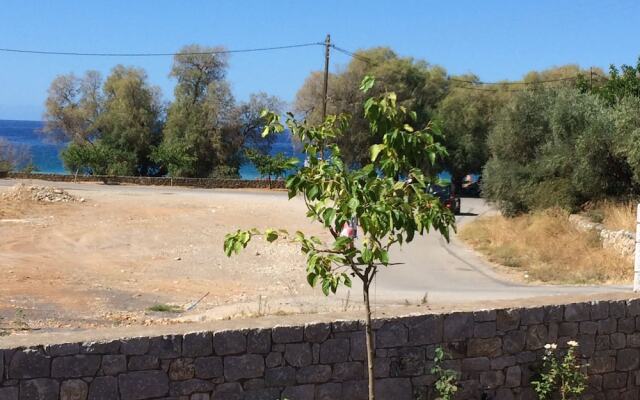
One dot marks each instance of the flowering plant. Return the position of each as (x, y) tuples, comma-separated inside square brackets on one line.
[(564, 374)]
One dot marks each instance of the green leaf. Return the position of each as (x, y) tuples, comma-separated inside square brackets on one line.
[(367, 255), (384, 257), (367, 83), (271, 235), (328, 215), (265, 132), (375, 150)]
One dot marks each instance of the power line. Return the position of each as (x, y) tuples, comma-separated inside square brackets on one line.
[(70, 53)]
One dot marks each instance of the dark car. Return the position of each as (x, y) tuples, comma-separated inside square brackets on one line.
[(447, 197)]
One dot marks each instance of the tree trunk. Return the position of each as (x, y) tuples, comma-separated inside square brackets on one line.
[(369, 337), (269, 178)]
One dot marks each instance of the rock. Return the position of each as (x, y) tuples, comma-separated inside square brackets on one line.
[(39, 389), (458, 326), (114, 364), (287, 334), (491, 347), (29, 363), (208, 367), (197, 344), (67, 349), (600, 365), (476, 364), (103, 388), (576, 312), (77, 366), (513, 377), (181, 369), (273, 360), (143, 385), (314, 374), (135, 346), (243, 367), (229, 342), (484, 330), (9, 393), (298, 354), (628, 359), (137, 363), (536, 337), (393, 389), (348, 371), (259, 341), (185, 388), (329, 391), (491, 379), (304, 392), (334, 350), (513, 342), (283, 376), (165, 346), (75, 389), (507, 320), (425, 329), (228, 391), (317, 333)]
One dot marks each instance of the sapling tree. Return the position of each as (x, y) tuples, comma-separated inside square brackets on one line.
[(387, 197), (271, 166)]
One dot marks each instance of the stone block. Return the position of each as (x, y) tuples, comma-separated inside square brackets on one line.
[(287, 334), (513, 342), (569, 329), (577, 312), (633, 340), (252, 384), (166, 346), (114, 364), (182, 369), (66, 349), (208, 367), (490, 347), (603, 342), (391, 334), (484, 329), (507, 320), (39, 389), (334, 350), (329, 391), (9, 393), (101, 347), (200, 396), (627, 325), (382, 367), (228, 391), (317, 333), (138, 363), (135, 346), (410, 362), (197, 344), (29, 363), (484, 316), (346, 326), (476, 364), (355, 390), (513, 377), (259, 341), (628, 359), (532, 316), (281, 376), (614, 380), (393, 389), (426, 329), (74, 389), (185, 388), (348, 371), (358, 346), (262, 394), (618, 309), (503, 362), (273, 360), (491, 379), (314, 374), (103, 388), (243, 367), (504, 394), (607, 326), (298, 354), (633, 307), (143, 384), (553, 313), (77, 366), (458, 326), (536, 337), (601, 365), (599, 310), (588, 327), (302, 392), (618, 341), (229, 342)]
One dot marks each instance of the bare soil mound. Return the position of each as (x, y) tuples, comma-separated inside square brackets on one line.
[(46, 194)]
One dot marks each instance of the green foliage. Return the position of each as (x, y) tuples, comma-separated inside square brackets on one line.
[(165, 308), (11, 156), (271, 166), (562, 375), (98, 159), (446, 380)]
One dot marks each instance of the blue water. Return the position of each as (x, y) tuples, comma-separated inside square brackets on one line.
[(45, 154)]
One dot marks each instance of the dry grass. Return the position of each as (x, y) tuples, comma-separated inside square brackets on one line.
[(614, 215), (548, 248)]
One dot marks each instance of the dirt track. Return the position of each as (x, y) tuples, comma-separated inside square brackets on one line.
[(106, 260)]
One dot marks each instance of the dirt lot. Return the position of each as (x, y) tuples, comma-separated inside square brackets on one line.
[(107, 259)]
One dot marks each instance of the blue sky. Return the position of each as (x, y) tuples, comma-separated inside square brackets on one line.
[(494, 39)]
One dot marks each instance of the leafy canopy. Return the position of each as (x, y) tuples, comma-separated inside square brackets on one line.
[(387, 196)]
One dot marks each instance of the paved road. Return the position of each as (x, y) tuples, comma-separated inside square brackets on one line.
[(447, 273)]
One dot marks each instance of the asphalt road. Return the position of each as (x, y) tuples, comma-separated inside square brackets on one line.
[(434, 270)]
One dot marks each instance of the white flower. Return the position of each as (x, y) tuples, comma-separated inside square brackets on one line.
[(550, 346), (572, 343)]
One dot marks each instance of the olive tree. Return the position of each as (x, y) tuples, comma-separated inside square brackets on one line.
[(388, 197)]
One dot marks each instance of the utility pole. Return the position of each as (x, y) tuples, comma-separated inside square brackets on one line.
[(325, 86)]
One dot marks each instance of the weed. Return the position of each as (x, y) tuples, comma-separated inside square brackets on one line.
[(166, 308)]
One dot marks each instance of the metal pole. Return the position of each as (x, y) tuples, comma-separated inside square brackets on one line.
[(636, 264)]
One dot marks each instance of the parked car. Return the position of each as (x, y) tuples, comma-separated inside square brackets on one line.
[(447, 197)]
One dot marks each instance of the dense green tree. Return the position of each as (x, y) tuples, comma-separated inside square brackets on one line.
[(418, 85), (112, 126), (202, 129), (466, 117), (271, 166)]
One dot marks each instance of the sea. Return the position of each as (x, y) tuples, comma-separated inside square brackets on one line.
[(44, 153)]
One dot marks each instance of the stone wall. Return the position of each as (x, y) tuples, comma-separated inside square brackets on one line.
[(495, 351), (624, 242), (209, 183)]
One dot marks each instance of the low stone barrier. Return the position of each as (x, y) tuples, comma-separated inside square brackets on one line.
[(622, 241), (496, 352), (209, 183)]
